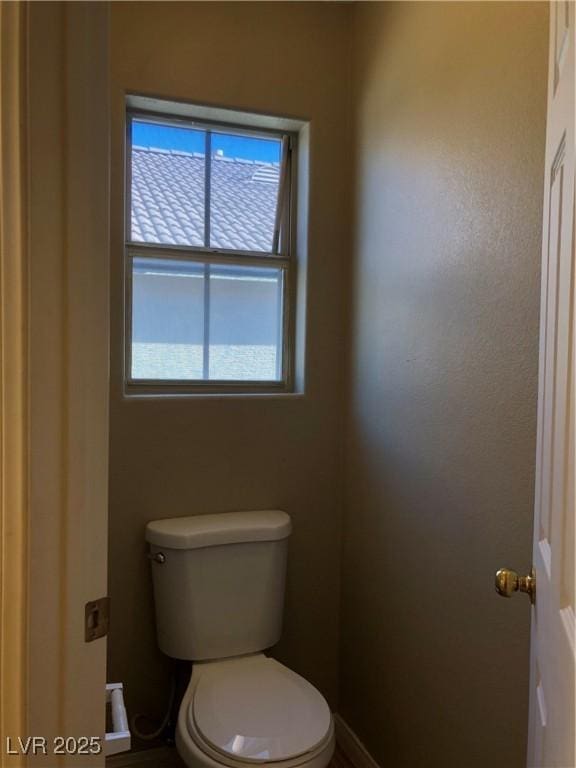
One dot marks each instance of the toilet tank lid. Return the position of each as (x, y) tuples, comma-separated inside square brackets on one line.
[(224, 528)]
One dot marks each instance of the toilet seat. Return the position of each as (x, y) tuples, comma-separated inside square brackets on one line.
[(257, 710), (253, 710)]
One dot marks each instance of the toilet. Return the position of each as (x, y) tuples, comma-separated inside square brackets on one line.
[(219, 593)]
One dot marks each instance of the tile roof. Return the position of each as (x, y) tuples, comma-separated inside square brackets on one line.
[(168, 200)]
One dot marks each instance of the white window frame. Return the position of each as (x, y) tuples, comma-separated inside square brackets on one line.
[(284, 258)]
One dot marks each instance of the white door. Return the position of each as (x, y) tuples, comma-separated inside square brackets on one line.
[(552, 712)]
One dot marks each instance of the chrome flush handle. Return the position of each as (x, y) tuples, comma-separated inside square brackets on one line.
[(157, 557)]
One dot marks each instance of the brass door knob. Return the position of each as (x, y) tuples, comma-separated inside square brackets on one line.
[(508, 582)]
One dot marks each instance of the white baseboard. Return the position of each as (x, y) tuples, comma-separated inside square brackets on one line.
[(151, 756), (351, 745)]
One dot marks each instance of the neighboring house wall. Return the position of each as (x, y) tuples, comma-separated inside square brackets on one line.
[(450, 104), (168, 327), (173, 457)]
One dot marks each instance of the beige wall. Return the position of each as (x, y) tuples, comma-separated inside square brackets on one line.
[(193, 456), (450, 108)]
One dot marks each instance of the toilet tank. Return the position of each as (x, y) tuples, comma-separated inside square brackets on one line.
[(219, 582)]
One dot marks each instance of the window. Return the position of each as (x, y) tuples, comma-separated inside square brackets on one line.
[(209, 255)]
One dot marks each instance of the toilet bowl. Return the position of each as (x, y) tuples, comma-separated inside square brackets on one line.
[(219, 592), (253, 710)]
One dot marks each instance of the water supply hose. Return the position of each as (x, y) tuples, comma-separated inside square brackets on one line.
[(158, 732)]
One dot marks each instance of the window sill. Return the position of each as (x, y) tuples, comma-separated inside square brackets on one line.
[(178, 396)]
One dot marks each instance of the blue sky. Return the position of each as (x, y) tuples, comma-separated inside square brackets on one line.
[(188, 140)]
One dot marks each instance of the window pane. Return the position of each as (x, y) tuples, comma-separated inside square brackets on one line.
[(245, 175), (168, 182), (245, 323), (243, 338), (167, 319)]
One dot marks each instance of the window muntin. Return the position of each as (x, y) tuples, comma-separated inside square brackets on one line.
[(208, 256)]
